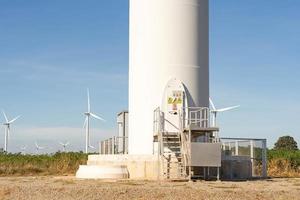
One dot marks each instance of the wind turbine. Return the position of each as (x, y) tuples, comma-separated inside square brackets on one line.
[(64, 145), (37, 147), (215, 111), (7, 125), (23, 149), (86, 125)]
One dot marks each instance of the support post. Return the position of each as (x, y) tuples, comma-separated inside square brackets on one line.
[(158, 156), (236, 147), (189, 155), (264, 159), (6, 140), (208, 174), (252, 157), (113, 142)]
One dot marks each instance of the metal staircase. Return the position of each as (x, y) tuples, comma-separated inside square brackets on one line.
[(171, 156), (174, 148)]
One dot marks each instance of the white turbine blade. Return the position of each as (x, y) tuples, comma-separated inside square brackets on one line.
[(5, 116), (228, 108), (61, 143), (91, 147), (37, 146), (97, 117), (212, 104), (85, 122), (13, 120), (67, 143), (89, 103)]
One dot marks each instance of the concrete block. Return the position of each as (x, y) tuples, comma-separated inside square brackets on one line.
[(102, 172), (144, 167)]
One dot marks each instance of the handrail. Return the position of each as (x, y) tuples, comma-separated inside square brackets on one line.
[(186, 156), (199, 116), (112, 145)]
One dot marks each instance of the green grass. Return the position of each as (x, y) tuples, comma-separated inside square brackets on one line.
[(56, 164), (280, 164)]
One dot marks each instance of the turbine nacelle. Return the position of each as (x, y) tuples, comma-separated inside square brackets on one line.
[(64, 145), (37, 147), (87, 113), (23, 147)]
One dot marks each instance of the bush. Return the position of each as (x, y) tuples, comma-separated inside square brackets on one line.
[(286, 143), (56, 164), (283, 163)]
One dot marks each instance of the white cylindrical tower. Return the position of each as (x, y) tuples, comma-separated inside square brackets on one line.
[(168, 39)]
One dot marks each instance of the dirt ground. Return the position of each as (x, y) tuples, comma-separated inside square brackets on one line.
[(69, 188)]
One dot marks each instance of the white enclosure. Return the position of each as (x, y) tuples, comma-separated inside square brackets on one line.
[(168, 39)]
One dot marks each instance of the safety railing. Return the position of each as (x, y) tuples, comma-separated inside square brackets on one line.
[(245, 150), (197, 116), (114, 145), (158, 121)]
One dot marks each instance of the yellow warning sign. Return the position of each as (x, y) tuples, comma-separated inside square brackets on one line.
[(176, 100)]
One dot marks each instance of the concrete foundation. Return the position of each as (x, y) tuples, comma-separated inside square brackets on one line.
[(102, 172), (143, 167)]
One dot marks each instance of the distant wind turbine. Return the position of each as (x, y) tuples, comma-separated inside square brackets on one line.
[(86, 125), (64, 145), (215, 111), (23, 149), (7, 125), (38, 148)]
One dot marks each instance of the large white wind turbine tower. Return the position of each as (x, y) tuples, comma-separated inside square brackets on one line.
[(215, 111), (38, 148), (64, 145), (86, 125), (7, 125)]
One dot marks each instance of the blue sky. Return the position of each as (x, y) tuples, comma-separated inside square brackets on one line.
[(51, 51)]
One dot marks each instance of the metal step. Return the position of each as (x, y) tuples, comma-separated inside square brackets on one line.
[(174, 143), (170, 136), (172, 162)]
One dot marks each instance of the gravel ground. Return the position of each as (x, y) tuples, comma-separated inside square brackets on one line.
[(69, 188)]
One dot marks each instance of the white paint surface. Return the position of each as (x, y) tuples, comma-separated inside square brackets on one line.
[(168, 39)]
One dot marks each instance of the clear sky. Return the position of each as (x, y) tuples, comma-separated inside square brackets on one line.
[(51, 51)]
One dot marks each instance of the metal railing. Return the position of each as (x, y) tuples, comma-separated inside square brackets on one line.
[(247, 149), (114, 145), (158, 121), (198, 116)]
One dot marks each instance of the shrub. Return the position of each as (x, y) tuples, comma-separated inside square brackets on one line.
[(286, 143), (283, 163), (56, 164)]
